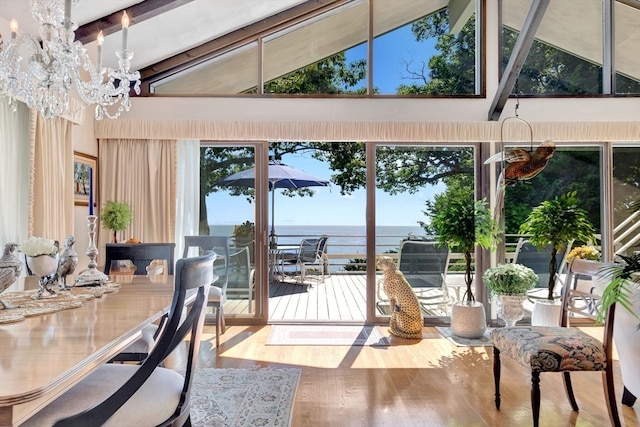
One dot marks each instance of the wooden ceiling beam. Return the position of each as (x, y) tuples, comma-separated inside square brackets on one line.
[(137, 13), (518, 56)]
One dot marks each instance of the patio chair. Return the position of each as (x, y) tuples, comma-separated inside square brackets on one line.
[(424, 265), (538, 260), (312, 252)]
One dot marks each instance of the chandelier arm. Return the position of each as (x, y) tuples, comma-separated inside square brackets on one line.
[(43, 73)]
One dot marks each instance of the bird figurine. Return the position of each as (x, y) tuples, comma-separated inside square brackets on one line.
[(67, 262), (522, 166), (10, 269)]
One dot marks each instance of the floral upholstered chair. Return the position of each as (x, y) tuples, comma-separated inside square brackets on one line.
[(561, 348)]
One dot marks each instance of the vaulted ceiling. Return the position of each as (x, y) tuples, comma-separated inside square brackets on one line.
[(170, 35)]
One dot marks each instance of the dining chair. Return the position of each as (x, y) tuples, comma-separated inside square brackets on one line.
[(562, 348), (146, 394), (217, 294), (311, 252)]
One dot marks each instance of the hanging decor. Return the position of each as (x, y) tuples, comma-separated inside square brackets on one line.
[(41, 71), (521, 164)]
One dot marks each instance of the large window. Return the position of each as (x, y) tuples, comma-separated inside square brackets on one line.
[(570, 54)]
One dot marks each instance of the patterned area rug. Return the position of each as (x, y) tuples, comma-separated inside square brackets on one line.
[(465, 342), (25, 306), (243, 397), (326, 335)]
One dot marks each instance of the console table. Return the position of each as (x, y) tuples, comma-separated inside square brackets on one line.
[(141, 254)]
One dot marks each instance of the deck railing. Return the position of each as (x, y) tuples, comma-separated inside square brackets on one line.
[(346, 253)]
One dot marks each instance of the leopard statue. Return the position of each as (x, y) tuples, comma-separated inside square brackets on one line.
[(406, 316)]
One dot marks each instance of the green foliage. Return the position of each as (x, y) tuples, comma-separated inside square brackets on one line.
[(246, 229), (575, 170), (510, 279), (462, 224), (116, 216), (357, 264), (557, 222), (620, 290)]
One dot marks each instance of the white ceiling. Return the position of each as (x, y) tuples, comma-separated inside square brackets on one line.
[(200, 21), (165, 35)]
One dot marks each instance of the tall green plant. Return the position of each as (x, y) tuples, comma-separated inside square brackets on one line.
[(462, 224), (116, 216), (557, 222)]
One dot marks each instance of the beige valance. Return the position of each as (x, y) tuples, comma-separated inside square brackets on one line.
[(512, 130)]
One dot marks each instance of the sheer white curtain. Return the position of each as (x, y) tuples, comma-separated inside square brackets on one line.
[(187, 191), (15, 167)]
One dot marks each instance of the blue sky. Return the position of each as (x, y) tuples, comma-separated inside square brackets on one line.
[(328, 206)]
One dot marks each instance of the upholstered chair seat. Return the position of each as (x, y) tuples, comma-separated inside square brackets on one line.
[(551, 349), (151, 405)]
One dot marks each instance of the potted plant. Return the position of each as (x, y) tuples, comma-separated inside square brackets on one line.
[(508, 284), (624, 290), (557, 222), (116, 216), (462, 224), (244, 235)]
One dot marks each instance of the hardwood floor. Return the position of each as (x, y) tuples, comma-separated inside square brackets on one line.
[(427, 383)]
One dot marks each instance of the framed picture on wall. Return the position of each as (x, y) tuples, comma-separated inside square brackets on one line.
[(85, 179)]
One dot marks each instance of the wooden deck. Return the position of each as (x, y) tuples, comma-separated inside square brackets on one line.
[(341, 298)]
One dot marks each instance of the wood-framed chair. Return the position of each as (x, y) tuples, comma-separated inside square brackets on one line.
[(561, 348), (145, 394)]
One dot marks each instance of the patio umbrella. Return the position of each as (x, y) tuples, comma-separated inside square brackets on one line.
[(280, 176)]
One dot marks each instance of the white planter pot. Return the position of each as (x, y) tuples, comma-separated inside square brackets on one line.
[(546, 313), (468, 320), (626, 337)]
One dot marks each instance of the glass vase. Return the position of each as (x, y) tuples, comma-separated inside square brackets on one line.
[(510, 308)]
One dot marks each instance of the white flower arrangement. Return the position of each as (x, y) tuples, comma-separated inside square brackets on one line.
[(510, 279), (36, 246)]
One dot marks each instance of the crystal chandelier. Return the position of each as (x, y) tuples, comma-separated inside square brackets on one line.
[(42, 71)]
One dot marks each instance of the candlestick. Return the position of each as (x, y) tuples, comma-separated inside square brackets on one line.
[(91, 276), (14, 29), (90, 191), (100, 41), (125, 29), (67, 14)]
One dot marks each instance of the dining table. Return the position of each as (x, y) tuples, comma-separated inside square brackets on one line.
[(42, 356)]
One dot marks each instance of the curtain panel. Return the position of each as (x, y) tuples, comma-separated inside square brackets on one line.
[(144, 176), (188, 192), (14, 164), (51, 166)]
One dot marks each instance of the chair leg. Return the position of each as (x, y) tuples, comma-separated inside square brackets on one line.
[(221, 326), (223, 323), (535, 397), (628, 398), (496, 375), (569, 389), (610, 396)]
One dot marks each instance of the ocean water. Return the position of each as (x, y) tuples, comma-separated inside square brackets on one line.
[(343, 239)]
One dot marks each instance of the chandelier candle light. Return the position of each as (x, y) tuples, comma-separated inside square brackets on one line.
[(56, 61)]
